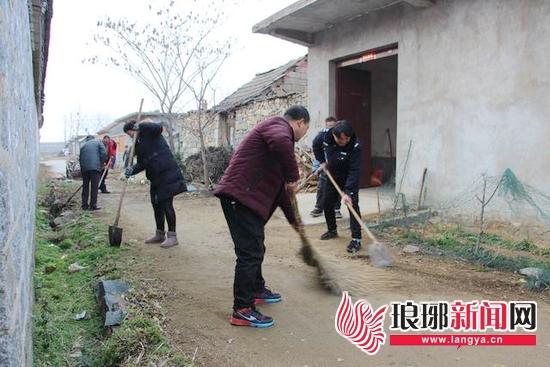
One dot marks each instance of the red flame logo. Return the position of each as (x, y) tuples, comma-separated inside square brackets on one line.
[(360, 325)]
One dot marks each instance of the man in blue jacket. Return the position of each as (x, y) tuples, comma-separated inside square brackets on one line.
[(92, 157), (339, 152)]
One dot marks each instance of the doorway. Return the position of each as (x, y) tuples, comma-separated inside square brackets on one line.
[(366, 95)]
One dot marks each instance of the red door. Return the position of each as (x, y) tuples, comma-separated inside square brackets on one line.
[(353, 104)]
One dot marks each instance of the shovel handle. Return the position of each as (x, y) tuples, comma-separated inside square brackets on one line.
[(72, 196), (352, 211), (131, 161)]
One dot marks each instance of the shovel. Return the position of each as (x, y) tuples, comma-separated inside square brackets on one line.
[(378, 252), (115, 233)]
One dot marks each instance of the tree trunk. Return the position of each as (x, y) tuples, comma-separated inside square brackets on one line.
[(171, 135), (478, 242), (204, 161)]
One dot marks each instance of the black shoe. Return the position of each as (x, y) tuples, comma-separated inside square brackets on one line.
[(266, 296), (85, 207), (250, 317), (328, 235), (95, 208), (105, 192), (317, 212), (354, 246)]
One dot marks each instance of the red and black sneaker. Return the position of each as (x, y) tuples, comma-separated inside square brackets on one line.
[(250, 317), (266, 296)]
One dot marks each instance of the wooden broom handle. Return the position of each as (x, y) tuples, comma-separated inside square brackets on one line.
[(131, 161), (350, 207)]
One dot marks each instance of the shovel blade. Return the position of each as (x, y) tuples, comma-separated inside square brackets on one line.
[(115, 236), (379, 255)]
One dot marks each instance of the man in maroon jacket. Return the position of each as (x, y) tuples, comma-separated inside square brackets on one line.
[(259, 177)]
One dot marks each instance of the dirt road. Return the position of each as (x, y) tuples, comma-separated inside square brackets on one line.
[(200, 274)]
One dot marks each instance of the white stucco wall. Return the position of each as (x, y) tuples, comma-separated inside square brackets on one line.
[(473, 88)]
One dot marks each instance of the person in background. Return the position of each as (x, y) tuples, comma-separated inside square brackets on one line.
[(155, 157), (92, 156), (261, 176), (321, 184), (339, 152), (110, 147)]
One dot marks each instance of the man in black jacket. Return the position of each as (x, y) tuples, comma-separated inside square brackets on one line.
[(154, 156), (339, 152), (322, 183)]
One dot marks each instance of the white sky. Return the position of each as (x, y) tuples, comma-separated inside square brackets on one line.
[(95, 90)]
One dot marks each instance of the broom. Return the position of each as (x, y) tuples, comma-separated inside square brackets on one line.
[(378, 252), (311, 257)]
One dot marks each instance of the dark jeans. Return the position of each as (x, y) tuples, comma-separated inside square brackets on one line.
[(321, 187), (102, 185), (164, 211), (331, 198), (247, 232), (90, 182)]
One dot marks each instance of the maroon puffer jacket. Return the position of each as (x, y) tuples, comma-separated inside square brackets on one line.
[(260, 167)]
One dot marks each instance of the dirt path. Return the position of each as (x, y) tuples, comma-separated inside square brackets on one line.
[(200, 274)]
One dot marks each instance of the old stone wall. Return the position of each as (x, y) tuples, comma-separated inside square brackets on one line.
[(246, 117), (18, 173), (188, 142)]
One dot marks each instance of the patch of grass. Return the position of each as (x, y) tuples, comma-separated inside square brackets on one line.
[(457, 243), (60, 295), (138, 342), (59, 339), (412, 237)]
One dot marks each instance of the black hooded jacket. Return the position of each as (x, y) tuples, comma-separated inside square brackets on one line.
[(154, 156), (344, 163)]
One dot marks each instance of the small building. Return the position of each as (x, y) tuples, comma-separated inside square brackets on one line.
[(457, 87), (269, 93)]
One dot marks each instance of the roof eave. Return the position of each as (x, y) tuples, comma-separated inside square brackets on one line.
[(291, 35), (277, 25)]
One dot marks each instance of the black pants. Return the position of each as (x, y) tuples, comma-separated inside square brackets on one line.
[(102, 185), (331, 198), (90, 182), (247, 232), (164, 211), (321, 187)]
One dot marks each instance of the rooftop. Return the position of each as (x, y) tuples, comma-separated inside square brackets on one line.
[(257, 86)]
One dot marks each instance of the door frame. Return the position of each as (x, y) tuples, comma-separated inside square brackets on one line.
[(359, 58)]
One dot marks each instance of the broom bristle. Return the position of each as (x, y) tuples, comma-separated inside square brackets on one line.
[(311, 258), (333, 276)]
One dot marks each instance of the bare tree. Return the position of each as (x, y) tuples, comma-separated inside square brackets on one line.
[(484, 201), (158, 54), (207, 63), (78, 123)]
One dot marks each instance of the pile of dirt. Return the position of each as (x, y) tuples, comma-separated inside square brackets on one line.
[(217, 159)]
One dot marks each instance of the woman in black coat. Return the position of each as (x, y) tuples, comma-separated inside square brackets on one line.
[(154, 156)]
